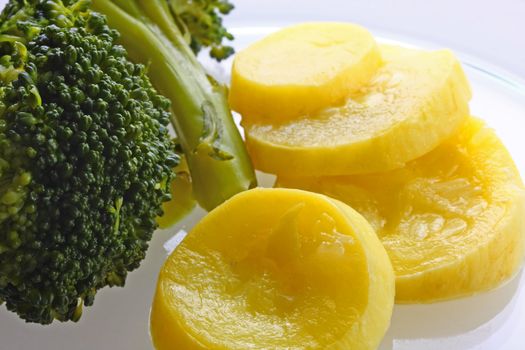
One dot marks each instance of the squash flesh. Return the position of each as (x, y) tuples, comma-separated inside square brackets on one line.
[(414, 101), (301, 69), (451, 221), (294, 270)]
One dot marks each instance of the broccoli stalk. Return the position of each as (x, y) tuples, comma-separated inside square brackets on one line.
[(151, 33)]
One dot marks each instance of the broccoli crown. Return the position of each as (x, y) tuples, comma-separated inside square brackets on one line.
[(203, 22), (85, 159)]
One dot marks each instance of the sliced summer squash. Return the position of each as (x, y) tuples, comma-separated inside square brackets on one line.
[(275, 269), (451, 221), (182, 200), (301, 69), (415, 100)]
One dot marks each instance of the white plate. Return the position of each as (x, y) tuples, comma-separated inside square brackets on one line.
[(494, 320)]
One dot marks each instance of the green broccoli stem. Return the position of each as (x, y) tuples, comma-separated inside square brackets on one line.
[(217, 158)]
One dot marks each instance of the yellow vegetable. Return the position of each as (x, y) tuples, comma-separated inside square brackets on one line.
[(275, 269), (302, 69), (415, 101), (182, 200), (451, 221)]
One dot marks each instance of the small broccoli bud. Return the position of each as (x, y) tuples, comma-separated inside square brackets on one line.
[(202, 20)]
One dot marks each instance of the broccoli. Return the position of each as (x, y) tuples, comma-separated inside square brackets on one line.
[(202, 23), (157, 33), (85, 158)]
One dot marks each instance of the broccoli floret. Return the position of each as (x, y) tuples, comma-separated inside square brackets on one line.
[(151, 32), (203, 22), (85, 159)]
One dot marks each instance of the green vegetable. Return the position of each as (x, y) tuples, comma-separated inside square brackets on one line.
[(156, 33), (85, 159), (203, 24)]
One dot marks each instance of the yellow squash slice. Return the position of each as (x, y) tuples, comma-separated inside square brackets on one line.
[(451, 221), (182, 200), (415, 101), (275, 269), (302, 69)]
